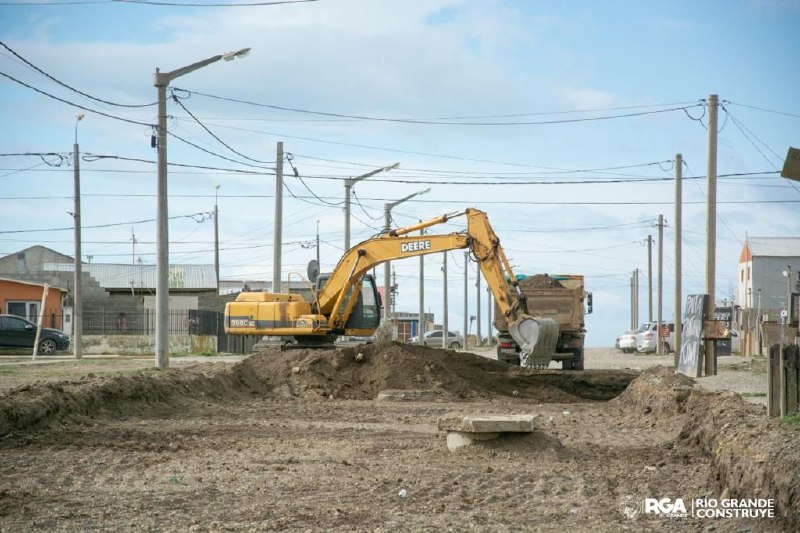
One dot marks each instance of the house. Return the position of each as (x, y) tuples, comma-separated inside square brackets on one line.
[(768, 268), (24, 298)]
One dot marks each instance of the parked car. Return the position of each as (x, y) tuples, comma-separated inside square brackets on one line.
[(626, 342), (647, 337), (434, 339), (17, 332)]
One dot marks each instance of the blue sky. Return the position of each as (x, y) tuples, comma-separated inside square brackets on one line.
[(526, 61)]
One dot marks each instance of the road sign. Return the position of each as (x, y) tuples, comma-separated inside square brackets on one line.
[(791, 166)]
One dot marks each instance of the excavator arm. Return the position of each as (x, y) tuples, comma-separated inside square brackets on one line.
[(536, 337)]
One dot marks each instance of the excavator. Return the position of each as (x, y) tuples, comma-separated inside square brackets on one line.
[(347, 302)]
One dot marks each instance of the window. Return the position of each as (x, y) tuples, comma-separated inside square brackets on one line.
[(435, 335), (14, 324), (29, 310)]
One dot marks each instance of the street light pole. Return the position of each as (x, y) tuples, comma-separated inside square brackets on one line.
[(77, 300), (387, 211), (348, 186), (161, 81)]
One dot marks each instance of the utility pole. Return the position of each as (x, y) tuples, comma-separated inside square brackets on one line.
[(632, 301), (711, 225), (445, 325), (478, 337), (278, 235), (133, 247), (77, 303), (466, 297), (216, 235), (678, 248), (422, 325), (489, 316), (758, 324), (659, 347), (649, 278), (636, 285), (348, 190), (317, 243), (394, 296)]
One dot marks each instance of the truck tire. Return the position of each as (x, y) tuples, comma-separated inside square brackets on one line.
[(576, 363)]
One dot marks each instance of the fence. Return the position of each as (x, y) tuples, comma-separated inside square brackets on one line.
[(179, 322)]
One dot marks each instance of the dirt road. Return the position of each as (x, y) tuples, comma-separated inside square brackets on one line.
[(297, 440)]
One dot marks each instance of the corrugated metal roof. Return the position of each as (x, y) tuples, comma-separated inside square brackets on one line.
[(774, 246), (110, 276)]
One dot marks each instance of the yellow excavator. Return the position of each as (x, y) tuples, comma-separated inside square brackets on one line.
[(346, 301)]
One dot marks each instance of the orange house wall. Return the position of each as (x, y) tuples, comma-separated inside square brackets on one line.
[(12, 291)]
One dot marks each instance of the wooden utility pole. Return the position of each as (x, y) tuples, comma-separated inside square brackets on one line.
[(678, 259), (39, 321), (711, 226)]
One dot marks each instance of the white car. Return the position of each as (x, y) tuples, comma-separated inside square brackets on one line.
[(626, 342), (646, 338), (434, 340)]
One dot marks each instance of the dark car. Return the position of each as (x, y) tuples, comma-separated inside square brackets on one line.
[(16, 332)]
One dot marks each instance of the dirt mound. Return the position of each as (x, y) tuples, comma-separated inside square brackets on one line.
[(39, 404), (659, 390), (540, 281), (360, 373), (753, 456)]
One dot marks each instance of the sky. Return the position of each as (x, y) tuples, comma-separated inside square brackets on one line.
[(560, 119)]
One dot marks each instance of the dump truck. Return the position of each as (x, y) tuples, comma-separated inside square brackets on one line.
[(560, 298)]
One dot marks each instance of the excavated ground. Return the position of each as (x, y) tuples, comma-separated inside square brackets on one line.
[(297, 440)]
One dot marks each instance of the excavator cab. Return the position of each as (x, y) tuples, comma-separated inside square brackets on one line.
[(366, 313)]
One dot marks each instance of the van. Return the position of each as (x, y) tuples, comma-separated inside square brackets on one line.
[(646, 338)]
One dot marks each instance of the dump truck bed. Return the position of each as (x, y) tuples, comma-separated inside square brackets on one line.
[(559, 297)]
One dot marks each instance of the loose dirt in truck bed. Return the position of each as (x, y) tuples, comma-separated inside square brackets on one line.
[(297, 440)]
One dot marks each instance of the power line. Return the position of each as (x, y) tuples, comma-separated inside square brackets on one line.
[(438, 122), (223, 143), (70, 228), (245, 4), (766, 110), (71, 88), (73, 104)]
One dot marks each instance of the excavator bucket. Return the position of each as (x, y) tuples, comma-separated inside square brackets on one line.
[(537, 338)]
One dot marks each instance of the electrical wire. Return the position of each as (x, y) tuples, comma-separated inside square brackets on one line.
[(71, 88), (177, 100), (70, 228), (438, 122), (243, 4), (73, 104)]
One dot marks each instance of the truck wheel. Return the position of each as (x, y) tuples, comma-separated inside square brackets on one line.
[(576, 363)]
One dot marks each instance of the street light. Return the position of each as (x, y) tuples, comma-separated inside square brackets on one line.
[(161, 81), (387, 209), (348, 185)]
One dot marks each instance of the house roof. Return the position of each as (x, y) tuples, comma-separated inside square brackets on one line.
[(773, 246), (111, 276), (35, 284)]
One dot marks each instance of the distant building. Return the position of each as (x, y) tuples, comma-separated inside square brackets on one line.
[(762, 265)]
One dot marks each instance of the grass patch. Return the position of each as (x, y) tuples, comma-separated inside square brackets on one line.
[(792, 420), (8, 370), (753, 394)]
